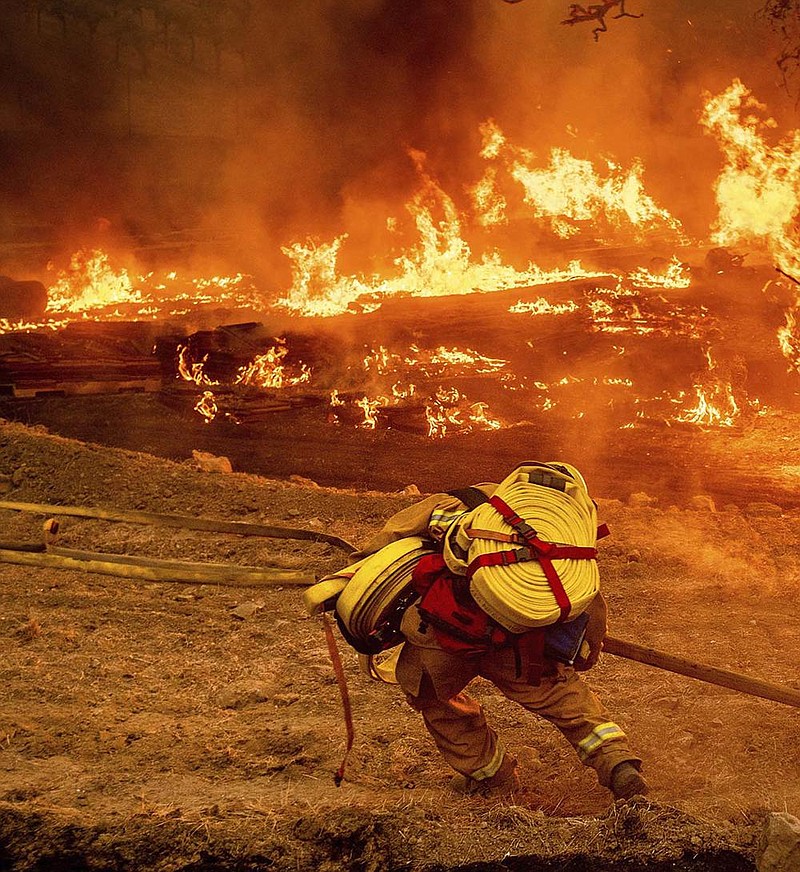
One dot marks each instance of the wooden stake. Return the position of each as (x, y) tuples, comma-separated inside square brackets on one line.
[(702, 672)]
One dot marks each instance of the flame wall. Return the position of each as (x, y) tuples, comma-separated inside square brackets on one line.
[(306, 130)]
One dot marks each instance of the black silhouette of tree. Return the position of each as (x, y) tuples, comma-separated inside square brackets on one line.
[(177, 26), (784, 16)]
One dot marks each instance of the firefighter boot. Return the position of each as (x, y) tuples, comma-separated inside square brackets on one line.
[(627, 782), (504, 782)]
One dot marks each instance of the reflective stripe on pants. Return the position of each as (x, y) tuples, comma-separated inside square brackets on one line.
[(434, 681)]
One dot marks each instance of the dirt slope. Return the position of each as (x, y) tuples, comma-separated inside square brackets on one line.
[(145, 726)]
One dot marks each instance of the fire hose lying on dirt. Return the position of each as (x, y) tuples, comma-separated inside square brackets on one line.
[(48, 554), (395, 592)]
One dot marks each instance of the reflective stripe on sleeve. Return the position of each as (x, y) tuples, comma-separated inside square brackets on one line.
[(441, 520)]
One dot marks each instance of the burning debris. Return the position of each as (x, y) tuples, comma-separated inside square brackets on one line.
[(758, 190), (574, 352)]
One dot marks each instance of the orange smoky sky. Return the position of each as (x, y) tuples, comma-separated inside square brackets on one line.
[(349, 88), (299, 119)]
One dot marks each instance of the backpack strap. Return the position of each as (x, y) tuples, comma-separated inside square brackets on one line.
[(536, 549), (472, 497)]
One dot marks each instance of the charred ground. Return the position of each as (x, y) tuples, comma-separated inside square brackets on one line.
[(144, 726)]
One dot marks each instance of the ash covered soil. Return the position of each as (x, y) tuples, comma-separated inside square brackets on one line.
[(146, 726)]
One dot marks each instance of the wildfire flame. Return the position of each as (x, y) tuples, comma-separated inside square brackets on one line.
[(193, 371), (449, 411), (716, 404), (91, 283), (207, 406), (92, 288), (267, 370), (789, 341), (570, 193), (674, 277), (370, 409), (758, 190), (758, 195), (718, 407), (441, 264)]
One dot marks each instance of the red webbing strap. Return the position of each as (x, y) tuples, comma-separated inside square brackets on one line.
[(544, 552), (530, 648), (338, 669), (553, 579)]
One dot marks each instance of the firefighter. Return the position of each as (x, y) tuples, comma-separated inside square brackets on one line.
[(434, 670)]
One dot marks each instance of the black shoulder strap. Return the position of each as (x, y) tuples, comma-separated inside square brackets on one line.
[(472, 497)]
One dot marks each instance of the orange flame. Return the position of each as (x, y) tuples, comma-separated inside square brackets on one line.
[(207, 406), (91, 283), (569, 192), (450, 411), (717, 407), (758, 190), (674, 277), (541, 306), (370, 409), (193, 372), (268, 371), (789, 340), (317, 288), (441, 264), (488, 202), (716, 404)]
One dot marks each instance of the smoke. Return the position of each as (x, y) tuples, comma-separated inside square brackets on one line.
[(340, 97), (377, 78), (635, 92), (301, 123)]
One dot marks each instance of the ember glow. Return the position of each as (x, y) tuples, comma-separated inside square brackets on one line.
[(717, 407), (193, 371), (566, 351), (448, 412), (267, 370), (206, 406)]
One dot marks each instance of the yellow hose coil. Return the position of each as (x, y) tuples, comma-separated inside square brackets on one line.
[(322, 596), (379, 581), (518, 596)]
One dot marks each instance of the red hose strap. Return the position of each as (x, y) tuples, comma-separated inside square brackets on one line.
[(562, 600), (513, 519), (544, 552), (338, 669)]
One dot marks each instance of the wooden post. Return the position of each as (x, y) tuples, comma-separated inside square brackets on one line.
[(702, 672)]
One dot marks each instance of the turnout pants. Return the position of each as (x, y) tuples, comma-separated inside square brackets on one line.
[(434, 682)]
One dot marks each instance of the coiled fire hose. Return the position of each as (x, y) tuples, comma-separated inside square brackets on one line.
[(518, 593), (379, 582)]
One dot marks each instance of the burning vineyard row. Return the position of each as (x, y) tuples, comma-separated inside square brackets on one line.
[(455, 342)]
